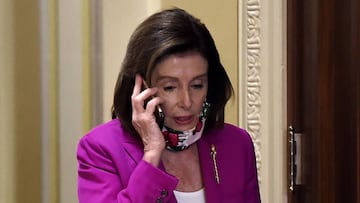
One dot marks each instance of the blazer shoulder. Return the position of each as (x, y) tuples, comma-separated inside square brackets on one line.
[(234, 129), (230, 135), (108, 131), (108, 136), (232, 132)]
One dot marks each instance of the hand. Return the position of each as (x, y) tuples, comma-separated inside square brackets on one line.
[(144, 121)]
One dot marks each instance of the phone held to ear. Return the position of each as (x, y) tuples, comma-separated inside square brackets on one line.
[(159, 114)]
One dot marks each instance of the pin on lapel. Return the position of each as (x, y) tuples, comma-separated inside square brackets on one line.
[(213, 157)]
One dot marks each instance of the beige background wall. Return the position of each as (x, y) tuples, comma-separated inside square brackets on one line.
[(6, 104), (119, 19), (20, 102)]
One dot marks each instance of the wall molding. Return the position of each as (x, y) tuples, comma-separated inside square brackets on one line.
[(262, 90), (253, 82)]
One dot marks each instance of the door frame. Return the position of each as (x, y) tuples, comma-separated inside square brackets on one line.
[(262, 90)]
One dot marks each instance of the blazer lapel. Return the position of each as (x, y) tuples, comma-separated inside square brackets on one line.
[(212, 187), (134, 150)]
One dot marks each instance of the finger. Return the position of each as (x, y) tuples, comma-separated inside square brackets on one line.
[(138, 101), (138, 98), (152, 104), (137, 85)]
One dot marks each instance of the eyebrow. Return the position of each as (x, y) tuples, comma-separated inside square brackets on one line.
[(175, 78)]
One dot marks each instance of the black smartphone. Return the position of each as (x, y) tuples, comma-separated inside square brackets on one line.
[(159, 114)]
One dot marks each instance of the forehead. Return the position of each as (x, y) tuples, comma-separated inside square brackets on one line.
[(189, 64)]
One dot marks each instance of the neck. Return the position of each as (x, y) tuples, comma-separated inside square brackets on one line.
[(185, 166), (180, 156)]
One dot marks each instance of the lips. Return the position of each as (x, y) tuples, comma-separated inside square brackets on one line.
[(183, 120)]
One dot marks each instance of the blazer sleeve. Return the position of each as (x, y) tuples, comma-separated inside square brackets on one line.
[(99, 181)]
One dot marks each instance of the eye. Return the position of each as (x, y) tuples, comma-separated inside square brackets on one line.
[(198, 86), (169, 88)]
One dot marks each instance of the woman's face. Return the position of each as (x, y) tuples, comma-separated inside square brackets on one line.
[(183, 84)]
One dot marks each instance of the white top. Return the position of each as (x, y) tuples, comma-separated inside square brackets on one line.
[(190, 197)]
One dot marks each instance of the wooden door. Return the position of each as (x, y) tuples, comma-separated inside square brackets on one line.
[(324, 99)]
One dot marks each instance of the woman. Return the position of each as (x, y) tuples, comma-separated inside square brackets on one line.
[(168, 141)]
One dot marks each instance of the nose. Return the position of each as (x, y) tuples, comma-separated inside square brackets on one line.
[(185, 99)]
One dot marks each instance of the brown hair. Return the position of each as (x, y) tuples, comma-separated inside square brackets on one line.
[(168, 32)]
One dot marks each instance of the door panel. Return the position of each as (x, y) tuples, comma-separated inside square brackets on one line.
[(323, 98)]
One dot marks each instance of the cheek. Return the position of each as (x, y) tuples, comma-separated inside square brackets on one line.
[(170, 103), (167, 104), (199, 104)]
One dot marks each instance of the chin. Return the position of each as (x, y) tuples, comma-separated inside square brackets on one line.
[(182, 127)]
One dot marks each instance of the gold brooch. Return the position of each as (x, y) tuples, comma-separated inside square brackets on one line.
[(213, 156)]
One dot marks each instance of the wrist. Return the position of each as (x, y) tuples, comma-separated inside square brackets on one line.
[(152, 156)]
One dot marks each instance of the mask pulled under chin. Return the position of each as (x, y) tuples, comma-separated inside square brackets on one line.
[(180, 140)]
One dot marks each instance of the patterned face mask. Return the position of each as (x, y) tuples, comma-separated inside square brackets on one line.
[(180, 140)]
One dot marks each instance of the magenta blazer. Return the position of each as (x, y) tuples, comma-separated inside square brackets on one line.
[(111, 168)]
